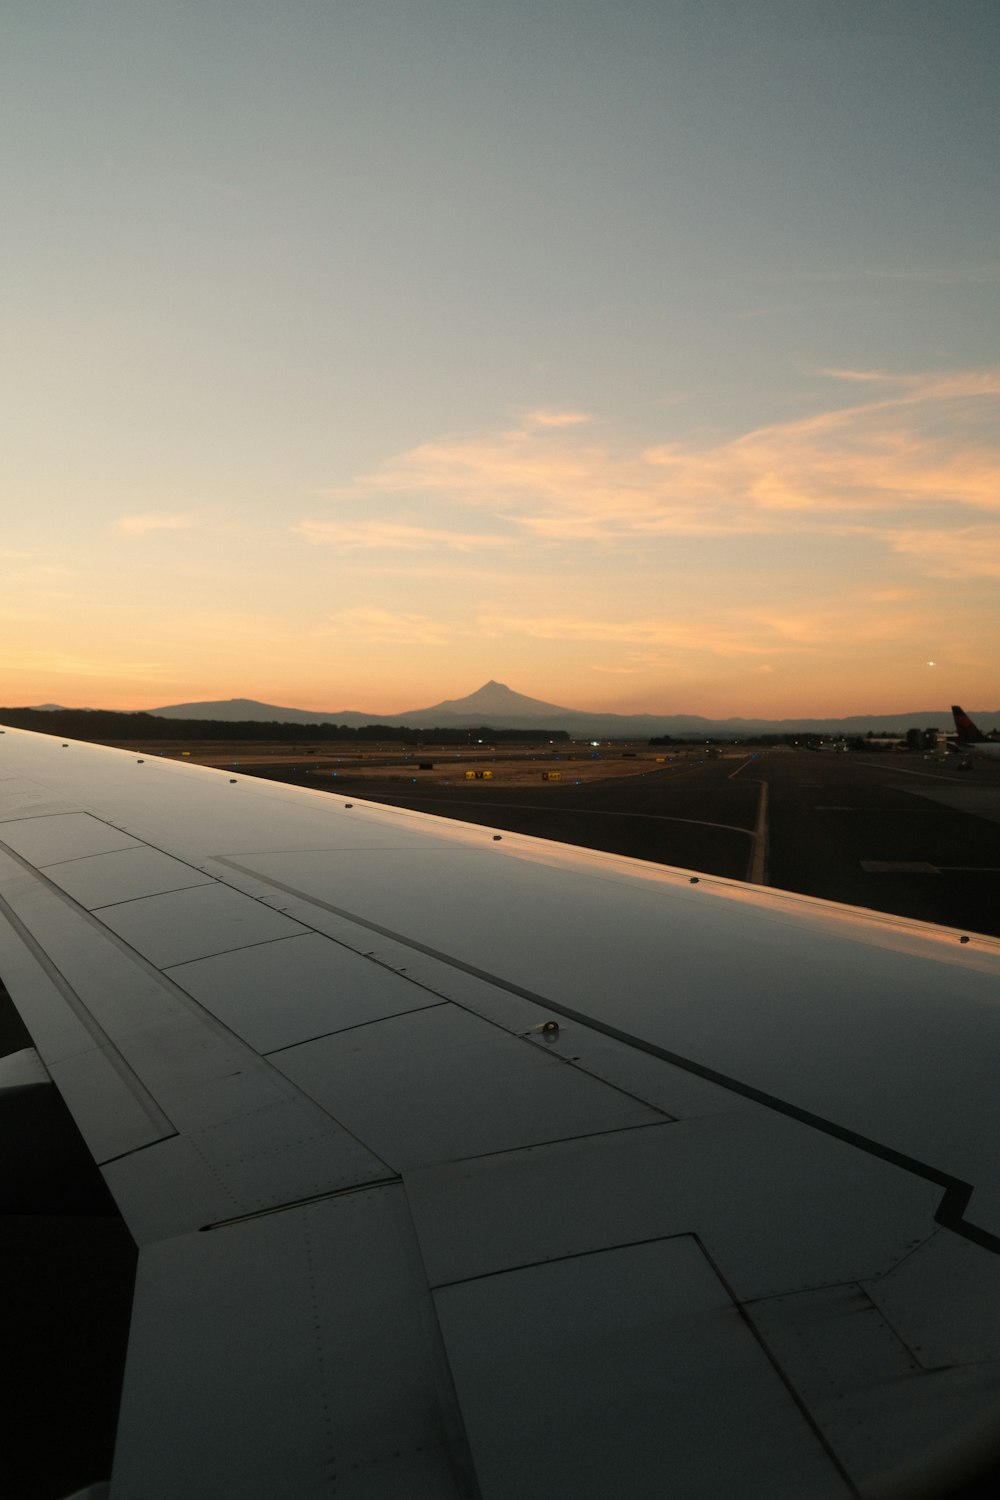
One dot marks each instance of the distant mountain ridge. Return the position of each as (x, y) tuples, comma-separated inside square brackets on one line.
[(491, 698), (497, 706)]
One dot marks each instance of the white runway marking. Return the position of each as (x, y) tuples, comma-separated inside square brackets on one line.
[(757, 874)]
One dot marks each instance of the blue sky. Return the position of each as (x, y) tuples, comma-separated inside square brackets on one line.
[(642, 356)]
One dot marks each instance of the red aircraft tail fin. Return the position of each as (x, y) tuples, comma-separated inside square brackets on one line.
[(968, 734)]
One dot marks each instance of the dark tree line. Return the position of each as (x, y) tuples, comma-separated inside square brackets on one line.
[(102, 725)]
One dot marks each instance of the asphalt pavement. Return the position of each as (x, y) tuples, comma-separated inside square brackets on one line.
[(897, 833)]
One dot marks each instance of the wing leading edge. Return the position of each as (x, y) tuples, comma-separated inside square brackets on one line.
[(479, 1167)]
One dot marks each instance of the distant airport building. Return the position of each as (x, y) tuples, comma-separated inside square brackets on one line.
[(925, 740)]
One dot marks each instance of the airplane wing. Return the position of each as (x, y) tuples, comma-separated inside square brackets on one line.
[(465, 1164)]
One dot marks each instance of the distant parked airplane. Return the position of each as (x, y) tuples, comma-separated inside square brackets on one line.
[(971, 738)]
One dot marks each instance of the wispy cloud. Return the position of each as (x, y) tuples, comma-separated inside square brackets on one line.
[(149, 521), (725, 639), (42, 573), (548, 418), (393, 535), (373, 625), (55, 662), (892, 595), (738, 633), (919, 442), (969, 552)]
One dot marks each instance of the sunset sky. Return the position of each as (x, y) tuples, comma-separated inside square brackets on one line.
[(641, 355)]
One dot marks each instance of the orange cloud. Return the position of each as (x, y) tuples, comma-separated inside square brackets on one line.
[(969, 552), (804, 630), (924, 441), (55, 662), (545, 418), (385, 627), (142, 525), (394, 535)]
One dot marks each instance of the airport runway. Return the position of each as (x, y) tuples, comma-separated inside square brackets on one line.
[(891, 832), (894, 833)]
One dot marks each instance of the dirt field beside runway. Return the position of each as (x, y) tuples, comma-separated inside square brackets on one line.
[(434, 765)]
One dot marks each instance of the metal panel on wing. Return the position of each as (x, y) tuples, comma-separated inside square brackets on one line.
[(123, 875), (779, 1206), (438, 1084), (249, 1166), (22, 1070), (944, 1300), (628, 1372), (21, 796), (182, 925), (862, 1384), (294, 1355), (113, 1111), (44, 840), (286, 991)]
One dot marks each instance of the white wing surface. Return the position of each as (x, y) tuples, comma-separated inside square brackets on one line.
[(470, 1165)]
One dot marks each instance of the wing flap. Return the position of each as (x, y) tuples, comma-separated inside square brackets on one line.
[(294, 1354)]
